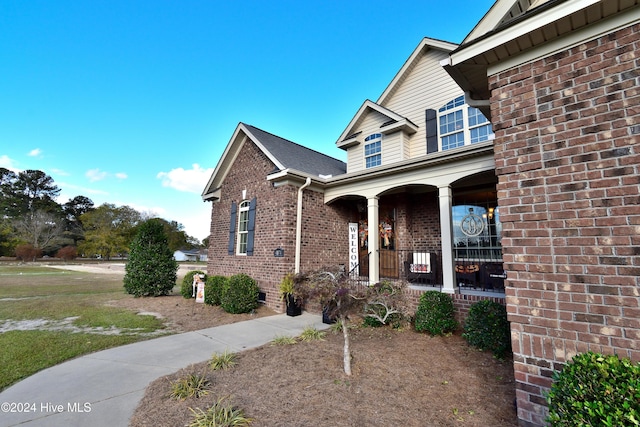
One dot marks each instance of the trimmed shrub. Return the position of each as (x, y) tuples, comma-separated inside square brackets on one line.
[(240, 294), (213, 289), (435, 314), (595, 390), (151, 269), (27, 252), (67, 253), (186, 288), (487, 328)]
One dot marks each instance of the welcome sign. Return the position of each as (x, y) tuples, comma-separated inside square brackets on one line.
[(353, 246)]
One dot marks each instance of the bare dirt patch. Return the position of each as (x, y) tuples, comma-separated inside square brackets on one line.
[(184, 315)]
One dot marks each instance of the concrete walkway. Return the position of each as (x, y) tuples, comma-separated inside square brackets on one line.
[(103, 389)]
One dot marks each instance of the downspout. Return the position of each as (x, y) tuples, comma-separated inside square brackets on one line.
[(299, 224)]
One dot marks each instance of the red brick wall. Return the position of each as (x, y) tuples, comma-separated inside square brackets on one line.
[(418, 221), (275, 224), (324, 234), (567, 154), (325, 228)]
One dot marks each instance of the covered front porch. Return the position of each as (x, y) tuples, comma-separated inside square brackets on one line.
[(440, 230)]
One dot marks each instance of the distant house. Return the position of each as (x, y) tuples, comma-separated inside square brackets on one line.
[(190, 255)]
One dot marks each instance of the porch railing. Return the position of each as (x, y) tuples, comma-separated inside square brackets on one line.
[(476, 268)]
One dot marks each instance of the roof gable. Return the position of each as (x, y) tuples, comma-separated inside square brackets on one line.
[(395, 122), (424, 45), (284, 154)]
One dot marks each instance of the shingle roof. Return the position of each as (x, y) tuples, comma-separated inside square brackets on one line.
[(298, 157)]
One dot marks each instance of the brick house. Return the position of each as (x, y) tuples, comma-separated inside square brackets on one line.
[(559, 81), (416, 199)]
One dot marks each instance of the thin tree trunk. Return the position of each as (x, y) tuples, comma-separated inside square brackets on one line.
[(347, 349)]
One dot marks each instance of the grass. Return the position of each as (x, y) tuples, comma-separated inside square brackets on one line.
[(283, 340), (220, 414), (24, 353), (193, 385), (224, 360), (312, 334), (33, 292)]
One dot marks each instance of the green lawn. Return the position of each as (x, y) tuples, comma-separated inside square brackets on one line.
[(74, 301)]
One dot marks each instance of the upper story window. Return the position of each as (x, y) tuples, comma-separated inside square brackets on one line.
[(373, 150), (460, 124), (243, 227)]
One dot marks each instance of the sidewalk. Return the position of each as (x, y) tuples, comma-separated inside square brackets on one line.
[(103, 389)]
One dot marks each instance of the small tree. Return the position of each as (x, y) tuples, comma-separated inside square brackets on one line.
[(338, 295), (151, 270), (386, 304)]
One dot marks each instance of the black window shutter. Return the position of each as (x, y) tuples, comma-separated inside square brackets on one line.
[(432, 131), (232, 228), (251, 226)]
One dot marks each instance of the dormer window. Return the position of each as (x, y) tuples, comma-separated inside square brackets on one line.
[(460, 124), (373, 150)]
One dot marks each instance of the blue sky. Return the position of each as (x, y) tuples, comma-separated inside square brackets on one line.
[(133, 102)]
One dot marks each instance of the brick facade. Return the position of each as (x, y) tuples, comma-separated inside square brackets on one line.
[(324, 231), (567, 156)]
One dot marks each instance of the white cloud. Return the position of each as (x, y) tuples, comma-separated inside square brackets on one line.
[(65, 186), (95, 175), (8, 163), (121, 175), (35, 152), (60, 172), (187, 180)]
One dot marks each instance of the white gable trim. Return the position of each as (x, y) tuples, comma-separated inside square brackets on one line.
[(409, 63), (238, 139), (575, 38), (402, 123), (263, 148), (519, 29), (490, 20)]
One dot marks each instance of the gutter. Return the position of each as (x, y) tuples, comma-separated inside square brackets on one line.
[(299, 225)]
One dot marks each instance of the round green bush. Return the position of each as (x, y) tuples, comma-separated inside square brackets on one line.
[(213, 289), (487, 328), (595, 390), (239, 294), (435, 314), (186, 288)]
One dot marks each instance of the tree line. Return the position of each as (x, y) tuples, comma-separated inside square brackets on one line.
[(34, 224)]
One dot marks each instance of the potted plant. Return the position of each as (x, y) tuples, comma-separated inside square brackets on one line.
[(286, 293)]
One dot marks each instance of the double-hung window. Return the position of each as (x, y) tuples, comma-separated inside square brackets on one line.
[(479, 126), (460, 124), (243, 227), (373, 150)]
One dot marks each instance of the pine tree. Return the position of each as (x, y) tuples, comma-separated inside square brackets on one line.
[(151, 269)]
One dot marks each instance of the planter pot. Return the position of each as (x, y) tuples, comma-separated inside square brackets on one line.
[(326, 318), (293, 309)]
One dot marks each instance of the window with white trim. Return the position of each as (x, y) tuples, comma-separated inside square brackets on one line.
[(459, 124), (373, 150), (243, 227)]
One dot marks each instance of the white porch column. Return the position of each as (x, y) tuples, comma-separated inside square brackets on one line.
[(373, 239), (449, 284)]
